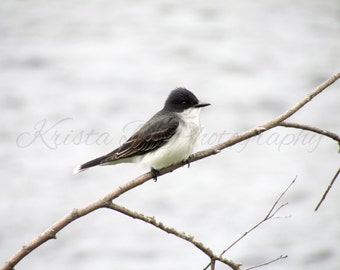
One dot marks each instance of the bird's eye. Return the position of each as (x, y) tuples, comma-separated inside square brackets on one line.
[(184, 102)]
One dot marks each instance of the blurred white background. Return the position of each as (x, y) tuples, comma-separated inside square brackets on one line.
[(77, 77)]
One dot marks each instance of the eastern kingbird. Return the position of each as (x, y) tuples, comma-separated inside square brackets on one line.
[(167, 138)]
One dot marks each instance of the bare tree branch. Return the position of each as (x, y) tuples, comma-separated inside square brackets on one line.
[(320, 131), (51, 232), (327, 190), (267, 263), (323, 132), (270, 215), (173, 231), (276, 121)]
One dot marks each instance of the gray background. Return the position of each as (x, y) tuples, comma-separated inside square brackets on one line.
[(69, 68)]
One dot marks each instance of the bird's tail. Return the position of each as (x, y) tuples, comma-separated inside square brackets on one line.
[(91, 163)]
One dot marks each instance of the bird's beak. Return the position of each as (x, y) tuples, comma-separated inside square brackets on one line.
[(202, 104)]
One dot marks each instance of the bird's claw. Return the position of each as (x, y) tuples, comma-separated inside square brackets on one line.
[(187, 161), (155, 173)]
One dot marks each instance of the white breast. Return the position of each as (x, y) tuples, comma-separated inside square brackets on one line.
[(180, 146)]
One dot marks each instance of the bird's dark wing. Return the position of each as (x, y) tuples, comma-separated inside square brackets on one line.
[(153, 134)]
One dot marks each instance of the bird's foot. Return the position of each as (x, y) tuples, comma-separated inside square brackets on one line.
[(155, 173), (187, 161)]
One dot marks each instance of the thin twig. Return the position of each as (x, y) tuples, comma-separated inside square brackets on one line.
[(327, 190), (51, 232), (271, 214), (269, 262), (317, 130)]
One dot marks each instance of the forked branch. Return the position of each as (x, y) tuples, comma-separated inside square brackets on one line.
[(173, 231), (270, 215), (51, 232)]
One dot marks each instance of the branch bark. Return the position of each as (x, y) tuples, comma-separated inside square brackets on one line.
[(51, 232), (328, 189), (151, 220), (317, 130)]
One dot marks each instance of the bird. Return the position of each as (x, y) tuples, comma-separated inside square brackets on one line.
[(168, 138)]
